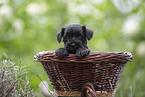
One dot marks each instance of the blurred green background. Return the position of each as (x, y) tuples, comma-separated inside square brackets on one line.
[(30, 26)]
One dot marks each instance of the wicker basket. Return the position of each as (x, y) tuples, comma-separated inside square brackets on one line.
[(69, 74)]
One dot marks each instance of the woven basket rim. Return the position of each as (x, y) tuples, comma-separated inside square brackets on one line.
[(94, 56)]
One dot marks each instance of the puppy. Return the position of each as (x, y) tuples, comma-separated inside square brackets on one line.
[(75, 38)]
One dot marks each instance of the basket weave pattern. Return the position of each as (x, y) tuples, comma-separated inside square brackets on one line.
[(70, 73)]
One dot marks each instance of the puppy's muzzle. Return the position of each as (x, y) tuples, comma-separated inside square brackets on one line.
[(72, 47)]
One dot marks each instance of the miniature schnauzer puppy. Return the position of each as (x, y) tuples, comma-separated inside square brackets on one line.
[(75, 38)]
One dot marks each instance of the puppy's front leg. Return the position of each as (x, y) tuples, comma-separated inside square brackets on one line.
[(61, 52), (82, 52)]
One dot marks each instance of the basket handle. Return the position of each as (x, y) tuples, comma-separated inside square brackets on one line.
[(88, 90)]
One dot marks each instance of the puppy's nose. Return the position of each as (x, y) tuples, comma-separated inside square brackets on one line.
[(73, 44)]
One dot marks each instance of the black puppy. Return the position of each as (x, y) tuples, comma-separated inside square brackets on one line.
[(75, 38)]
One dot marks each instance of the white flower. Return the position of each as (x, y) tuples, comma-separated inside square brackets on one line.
[(72, 7), (81, 9), (6, 11), (16, 67), (131, 25), (141, 49), (126, 6), (36, 8), (85, 9), (5, 61)]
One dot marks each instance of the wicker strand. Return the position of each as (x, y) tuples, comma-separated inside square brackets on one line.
[(88, 90)]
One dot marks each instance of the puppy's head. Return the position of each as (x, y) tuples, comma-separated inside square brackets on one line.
[(74, 36)]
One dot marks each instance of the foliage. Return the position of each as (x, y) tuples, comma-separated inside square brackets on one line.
[(12, 80), (30, 26)]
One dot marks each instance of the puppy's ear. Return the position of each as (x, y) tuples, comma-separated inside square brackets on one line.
[(88, 32), (60, 35)]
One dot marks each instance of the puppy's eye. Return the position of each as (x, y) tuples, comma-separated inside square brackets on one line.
[(65, 39)]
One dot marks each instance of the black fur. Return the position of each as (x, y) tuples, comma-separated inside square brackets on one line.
[(75, 38)]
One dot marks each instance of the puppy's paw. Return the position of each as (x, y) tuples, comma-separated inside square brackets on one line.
[(61, 52), (82, 52)]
